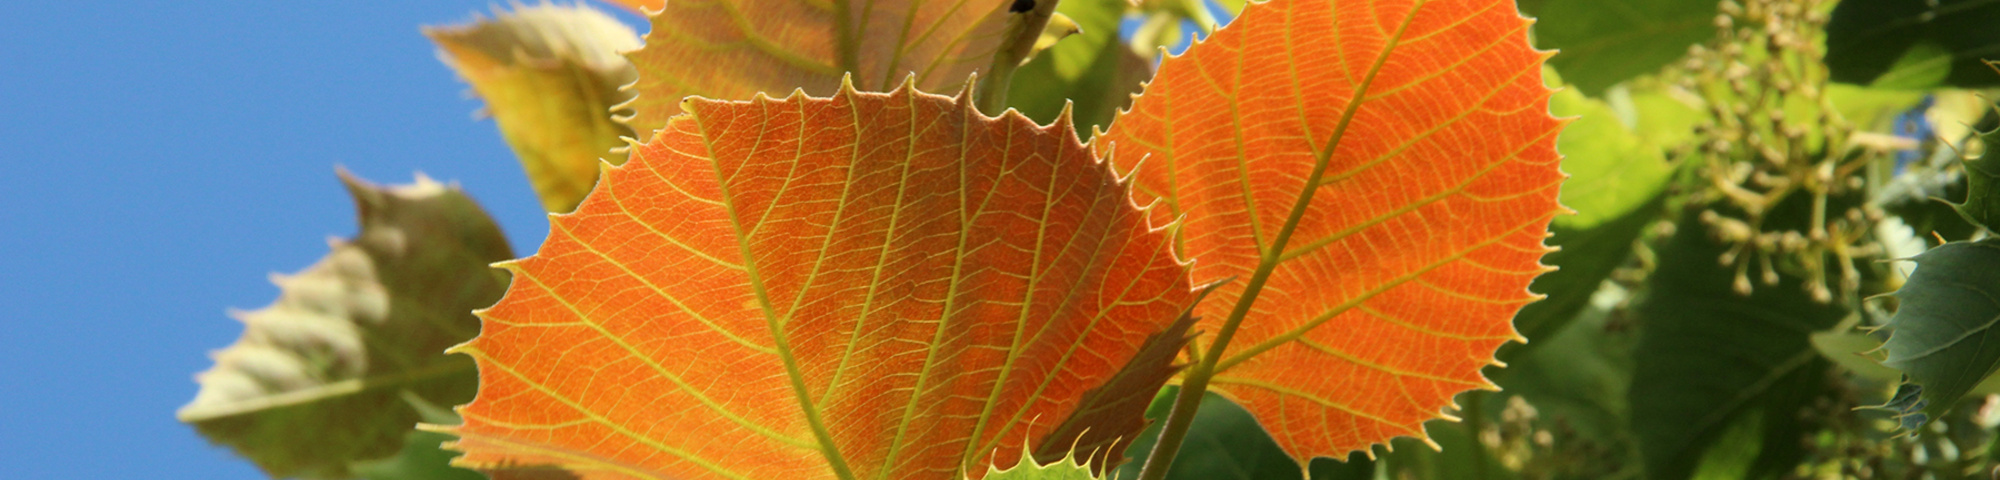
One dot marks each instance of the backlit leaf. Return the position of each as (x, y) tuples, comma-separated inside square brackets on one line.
[(1427, 126), (550, 75), (733, 49), (350, 335), (863, 286), (1066, 468)]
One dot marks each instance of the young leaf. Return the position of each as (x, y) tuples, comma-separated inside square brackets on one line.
[(1065, 468), (350, 334), (732, 49), (550, 75), (1421, 130), (1943, 324), (865, 286)]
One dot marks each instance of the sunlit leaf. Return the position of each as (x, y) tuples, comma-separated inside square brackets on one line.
[(350, 334), (863, 286), (733, 49), (1066, 468), (550, 75), (1427, 127)]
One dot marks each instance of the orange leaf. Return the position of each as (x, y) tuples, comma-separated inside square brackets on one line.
[(732, 49), (1426, 125), (640, 6), (864, 286)]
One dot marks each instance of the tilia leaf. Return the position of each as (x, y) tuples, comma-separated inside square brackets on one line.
[(733, 49), (1426, 126), (1943, 325), (864, 286), (550, 75), (352, 335)]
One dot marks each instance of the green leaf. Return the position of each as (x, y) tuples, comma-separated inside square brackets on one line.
[(1709, 356), (1579, 376), (550, 75), (1943, 326), (316, 381), (1861, 354), (1457, 455), (1617, 182), (1091, 68), (1913, 44), (1982, 205), (1576, 382), (1602, 43), (1068, 468), (423, 457), (1224, 443)]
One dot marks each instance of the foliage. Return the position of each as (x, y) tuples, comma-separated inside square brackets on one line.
[(1913, 45), (353, 336), (549, 74), (1427, 189), (1601, 43), (776, 252)]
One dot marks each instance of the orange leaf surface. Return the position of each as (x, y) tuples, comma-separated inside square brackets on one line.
[(732, 49), (864, 286), (641, 6), (1425, 125)]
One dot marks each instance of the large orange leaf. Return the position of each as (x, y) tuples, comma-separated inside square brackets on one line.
[(864, 286), (732, 49), (1422, 128)]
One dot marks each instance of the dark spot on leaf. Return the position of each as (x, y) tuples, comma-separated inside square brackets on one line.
[(1021, 6)]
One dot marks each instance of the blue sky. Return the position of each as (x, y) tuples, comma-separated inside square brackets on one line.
[(163, 157)]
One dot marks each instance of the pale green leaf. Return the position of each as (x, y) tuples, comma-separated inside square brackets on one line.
[(550, 76), (316, 381)]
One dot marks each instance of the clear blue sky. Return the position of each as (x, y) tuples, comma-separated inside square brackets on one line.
[(162, 157)]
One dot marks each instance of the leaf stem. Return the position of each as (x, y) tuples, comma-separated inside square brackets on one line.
[(1023, 29), (1195, 384)]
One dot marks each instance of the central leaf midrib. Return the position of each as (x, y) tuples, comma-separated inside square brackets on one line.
[(827, 447)]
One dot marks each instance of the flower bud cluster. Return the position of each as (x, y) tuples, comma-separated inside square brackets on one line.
[(1771, 133)]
